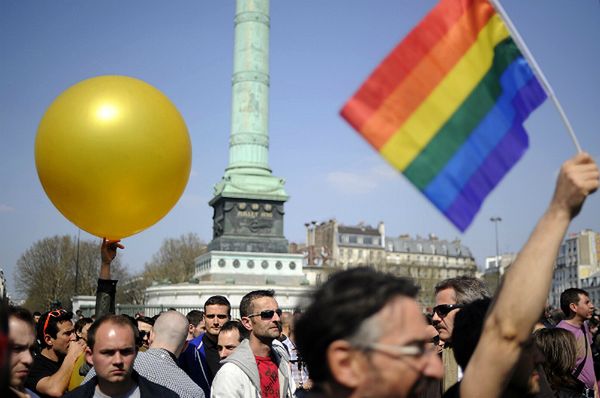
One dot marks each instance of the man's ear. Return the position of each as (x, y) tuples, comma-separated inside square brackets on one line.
[(88, 356), (573, 307), (247, 323), (345, 364), (48, 340)]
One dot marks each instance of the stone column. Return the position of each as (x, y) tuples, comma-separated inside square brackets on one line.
[(248, 201)]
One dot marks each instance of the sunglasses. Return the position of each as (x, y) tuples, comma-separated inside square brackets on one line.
[(266, 314), (52, 314), (443, 310)]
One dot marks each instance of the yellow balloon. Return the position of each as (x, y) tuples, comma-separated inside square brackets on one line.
[(113, 155)]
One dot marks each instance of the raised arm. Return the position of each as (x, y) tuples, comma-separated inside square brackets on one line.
[(107, 288), (523, 294)]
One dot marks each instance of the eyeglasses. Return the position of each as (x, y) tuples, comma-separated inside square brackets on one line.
[(266, 314), (443, 310), (220, 316), (52, 314)]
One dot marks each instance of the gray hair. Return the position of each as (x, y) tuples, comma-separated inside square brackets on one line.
[(369, 331), (466, 288)]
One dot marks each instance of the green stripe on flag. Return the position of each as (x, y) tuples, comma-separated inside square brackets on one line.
[(457, 129)]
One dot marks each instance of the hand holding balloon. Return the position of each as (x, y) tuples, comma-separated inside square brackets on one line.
[(113, 126)]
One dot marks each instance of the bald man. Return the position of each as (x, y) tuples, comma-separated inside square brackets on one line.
[(159, 363)]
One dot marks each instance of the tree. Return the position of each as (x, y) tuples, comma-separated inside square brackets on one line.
[(174, 261), (46, 272)]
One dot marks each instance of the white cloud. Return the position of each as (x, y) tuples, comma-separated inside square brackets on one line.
[(361, 182), (6, 208)]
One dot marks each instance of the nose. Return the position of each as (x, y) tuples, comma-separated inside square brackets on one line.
[(117, 359), (435, 318), (27, 358), (224, 353)]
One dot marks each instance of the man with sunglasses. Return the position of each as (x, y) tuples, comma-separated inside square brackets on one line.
[(257, 367), (51, 370), (201, 360), (450, 296)]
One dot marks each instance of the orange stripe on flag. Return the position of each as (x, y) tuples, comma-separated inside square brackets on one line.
[(397, 65), (411, 93)]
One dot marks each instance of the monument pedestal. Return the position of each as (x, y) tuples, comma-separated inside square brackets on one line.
[(248, 225)]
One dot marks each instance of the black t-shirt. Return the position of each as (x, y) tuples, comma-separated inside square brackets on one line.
[(41, 367), (212, 355)]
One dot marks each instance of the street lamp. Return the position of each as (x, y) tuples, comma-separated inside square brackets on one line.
[(496, 220)]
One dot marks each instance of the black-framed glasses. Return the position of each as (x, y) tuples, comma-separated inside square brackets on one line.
[(266, 314), (443, 310)]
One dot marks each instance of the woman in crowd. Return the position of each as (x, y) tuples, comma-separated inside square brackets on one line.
[(559, 348)]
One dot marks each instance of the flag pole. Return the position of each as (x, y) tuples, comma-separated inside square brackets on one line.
[(536, 69)]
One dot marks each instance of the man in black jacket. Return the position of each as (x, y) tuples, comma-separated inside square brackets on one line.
[(112, 351)]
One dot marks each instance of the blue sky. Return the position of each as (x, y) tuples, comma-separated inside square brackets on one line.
[(321, 51)]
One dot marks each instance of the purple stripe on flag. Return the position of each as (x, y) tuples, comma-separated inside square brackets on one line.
[(494, 168)]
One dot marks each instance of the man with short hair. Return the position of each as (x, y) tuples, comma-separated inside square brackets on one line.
[(577, 307), (200, 360), (450, 295), (257, 367), (112, 351), (231, 335), (364, 335), (159, 363), (196, 324), (21, 341), (51, 370)]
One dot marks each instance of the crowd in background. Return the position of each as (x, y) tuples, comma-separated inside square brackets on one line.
[(362, 335)]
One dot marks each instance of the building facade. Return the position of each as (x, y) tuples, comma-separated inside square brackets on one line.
[(576, 265), (426, 260), (495, 268)]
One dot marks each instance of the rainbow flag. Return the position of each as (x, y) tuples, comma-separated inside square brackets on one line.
[(447, 106)]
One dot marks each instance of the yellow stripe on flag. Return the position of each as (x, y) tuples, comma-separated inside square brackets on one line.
[(414, 135)]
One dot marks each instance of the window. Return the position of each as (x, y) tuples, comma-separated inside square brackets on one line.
[(352, 239)]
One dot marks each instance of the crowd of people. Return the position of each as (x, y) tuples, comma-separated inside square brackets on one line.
[(362, 335)]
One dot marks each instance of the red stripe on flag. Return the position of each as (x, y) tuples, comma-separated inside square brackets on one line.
[(414, 57)]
